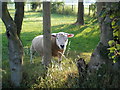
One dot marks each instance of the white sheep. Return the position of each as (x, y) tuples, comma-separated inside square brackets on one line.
[(58, 41)]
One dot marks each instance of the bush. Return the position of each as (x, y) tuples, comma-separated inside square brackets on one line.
[(68, 11), (55, 5), (34, 5), (60, 8)]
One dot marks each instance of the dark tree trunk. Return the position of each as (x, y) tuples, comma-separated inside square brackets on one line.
[(47, 33), (89, 10), (63, 8), (100, 6), (82, 66), (100, 54), (72, 7), (80, 15), (15, 48), (0, 49)]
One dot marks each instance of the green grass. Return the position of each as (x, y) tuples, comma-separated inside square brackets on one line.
[(81, 45)]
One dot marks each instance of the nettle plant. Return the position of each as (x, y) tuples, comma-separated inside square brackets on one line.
[(113, 11), (115, 43), (114, 14)]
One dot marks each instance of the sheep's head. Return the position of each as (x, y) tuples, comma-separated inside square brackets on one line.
[(62, 39)]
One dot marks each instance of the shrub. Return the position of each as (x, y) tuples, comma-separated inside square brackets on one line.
[(34, 5), (68, 11), (55, 5), (60, 8)]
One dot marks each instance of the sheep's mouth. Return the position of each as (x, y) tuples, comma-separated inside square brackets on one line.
[(61, 47)]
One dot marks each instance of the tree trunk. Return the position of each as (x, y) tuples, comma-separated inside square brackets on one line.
[(100, 6), (47, 33), (15, 48), (100, 54), (0, 49), (89, 10), (72, 7), (80, 16), (63, 8)]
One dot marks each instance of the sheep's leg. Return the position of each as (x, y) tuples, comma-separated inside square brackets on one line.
[(42, 59), (31, 55), (53, 63), (59, 62)]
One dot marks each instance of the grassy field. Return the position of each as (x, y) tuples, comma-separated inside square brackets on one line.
[(81, 45)]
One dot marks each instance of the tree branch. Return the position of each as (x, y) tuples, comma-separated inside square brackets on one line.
[(19, 14), (6, 18)]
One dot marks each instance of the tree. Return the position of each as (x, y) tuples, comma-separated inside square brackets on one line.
[(100, 54), (47, 33), (15, 48), (104, 64), (34, 5), (92, 8), (80, 15)]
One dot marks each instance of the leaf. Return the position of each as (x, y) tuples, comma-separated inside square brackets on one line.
[(113, 57), (116, 33), (111, 42), (114, 61), (112, 49), (118, 46)]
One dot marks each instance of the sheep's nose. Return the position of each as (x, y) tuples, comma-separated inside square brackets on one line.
[(62, 46)]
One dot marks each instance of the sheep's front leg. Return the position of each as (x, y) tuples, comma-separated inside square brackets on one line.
[(31, 56), (59, 62), (43, 60)]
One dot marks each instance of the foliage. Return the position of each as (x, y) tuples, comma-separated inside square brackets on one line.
[(34, 5), (61, 8), (114, 44), (93, 8), (113, 11), (55, 6)]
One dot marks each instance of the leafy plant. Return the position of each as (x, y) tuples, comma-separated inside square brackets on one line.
[(113, 12), (115, 43)]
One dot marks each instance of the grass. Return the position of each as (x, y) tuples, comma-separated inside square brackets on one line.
[(81, 45)]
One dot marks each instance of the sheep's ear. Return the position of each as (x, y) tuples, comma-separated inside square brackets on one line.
[(70, 35), (53, 34)]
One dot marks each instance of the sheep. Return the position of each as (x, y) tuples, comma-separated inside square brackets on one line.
[(58, 43)]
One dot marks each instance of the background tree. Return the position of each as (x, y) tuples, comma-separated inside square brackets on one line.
[(55, 6), (80, 15), (15, 48), (92, 8), (46, 33), (34, 5)]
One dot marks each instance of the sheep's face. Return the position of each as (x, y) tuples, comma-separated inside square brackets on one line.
[(62, 39)]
